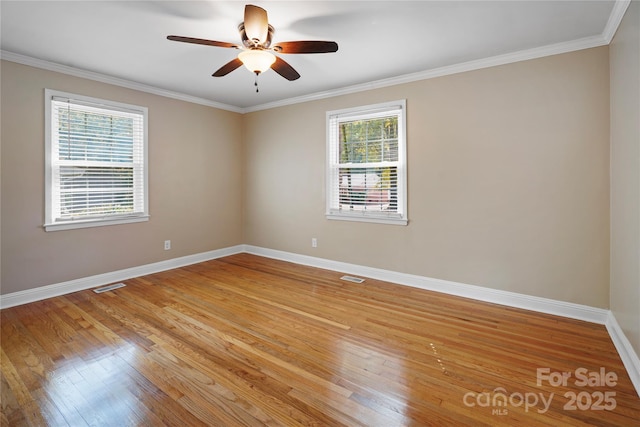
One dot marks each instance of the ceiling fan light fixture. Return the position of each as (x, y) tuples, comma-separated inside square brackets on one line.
[(257, 61), (256, 51)]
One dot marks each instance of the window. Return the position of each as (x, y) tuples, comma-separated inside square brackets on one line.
[(96, 162), (367, 176)]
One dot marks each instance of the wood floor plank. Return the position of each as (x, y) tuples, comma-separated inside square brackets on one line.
[(17, 393), (246, 341)]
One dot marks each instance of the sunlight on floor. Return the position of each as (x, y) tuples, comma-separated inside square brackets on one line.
[(380, 367), (97, 390)]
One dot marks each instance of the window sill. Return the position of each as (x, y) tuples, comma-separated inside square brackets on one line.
[(94, 223), (362, 218)]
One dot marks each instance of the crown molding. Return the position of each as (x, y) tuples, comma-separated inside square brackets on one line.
[(116, 81), (508, 58), (617, 13)]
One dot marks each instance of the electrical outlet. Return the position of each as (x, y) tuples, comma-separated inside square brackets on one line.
[(314, 242), (167, 245)]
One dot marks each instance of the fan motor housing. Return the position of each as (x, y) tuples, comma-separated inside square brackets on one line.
[(249, 43)]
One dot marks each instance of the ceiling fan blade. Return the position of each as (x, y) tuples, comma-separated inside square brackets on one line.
[(311, 46), (227, 68), (201, 41), (256, 23), (285, 70)]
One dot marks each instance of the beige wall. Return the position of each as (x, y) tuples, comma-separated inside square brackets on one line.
[(625, 175), (508, 180), (194, 185)]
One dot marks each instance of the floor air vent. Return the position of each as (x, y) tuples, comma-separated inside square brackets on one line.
[(109, 288), (352, 279)]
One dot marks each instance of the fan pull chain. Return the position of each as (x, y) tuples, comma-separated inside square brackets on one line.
[(256, 82)]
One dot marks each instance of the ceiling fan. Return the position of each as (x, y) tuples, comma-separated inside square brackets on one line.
[(257, 50)]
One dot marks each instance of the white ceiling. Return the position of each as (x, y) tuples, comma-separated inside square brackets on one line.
[(380, 42)]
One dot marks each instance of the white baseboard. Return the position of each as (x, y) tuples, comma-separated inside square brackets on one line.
[(511, 299), (57, 289), (625, 350)]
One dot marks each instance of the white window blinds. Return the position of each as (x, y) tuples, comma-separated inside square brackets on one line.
[(366, 176), (96, 161)]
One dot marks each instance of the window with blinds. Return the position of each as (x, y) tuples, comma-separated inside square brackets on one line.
[(96, 162), (366, 158)]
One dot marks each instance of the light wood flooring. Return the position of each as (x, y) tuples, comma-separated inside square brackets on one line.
[(250, 341)]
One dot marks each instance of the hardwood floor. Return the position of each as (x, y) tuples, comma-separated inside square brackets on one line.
[(245, 340)]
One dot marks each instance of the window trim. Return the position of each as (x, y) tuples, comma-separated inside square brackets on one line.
[(49, 222), (369, 111)]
